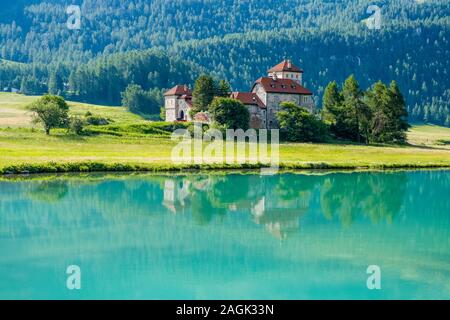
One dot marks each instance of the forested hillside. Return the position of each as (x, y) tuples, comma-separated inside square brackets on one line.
[(232, 39), (418, 60)]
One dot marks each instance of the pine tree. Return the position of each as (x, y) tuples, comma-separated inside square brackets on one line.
[(24, 86), (73, 88), (447, 121), (426, 114), (331, 102), (55, 83), (355, 113), (398, 115), (203, 93), (223, 89), (390, 117), (377, 100)]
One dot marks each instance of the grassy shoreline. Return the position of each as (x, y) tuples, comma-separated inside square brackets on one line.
[(89, 177), (99, 167)]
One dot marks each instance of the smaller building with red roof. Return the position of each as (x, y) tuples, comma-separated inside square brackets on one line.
[(178, 103)]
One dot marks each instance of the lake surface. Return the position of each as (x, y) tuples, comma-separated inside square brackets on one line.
[(233, 236)]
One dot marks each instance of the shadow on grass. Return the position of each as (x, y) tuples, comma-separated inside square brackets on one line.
[(424, 147), (387, 145), (443, 142), (69, 137)]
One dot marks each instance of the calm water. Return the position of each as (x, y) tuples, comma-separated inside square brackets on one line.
[(235, 236)]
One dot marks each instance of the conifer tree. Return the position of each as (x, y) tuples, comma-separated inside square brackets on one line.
[(331, 102), (203, 93), (223, 89), (354, 115), (397, 114)]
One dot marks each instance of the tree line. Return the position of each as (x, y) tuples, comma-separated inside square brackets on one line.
[(103, 80), (377, 115)]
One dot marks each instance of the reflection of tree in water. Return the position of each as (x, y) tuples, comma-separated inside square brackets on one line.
[(290, 187), (287, 198), (234, 191), (49, 191), (278, 202), (202, 209), (217, 195), (275, 202), (377, 196)]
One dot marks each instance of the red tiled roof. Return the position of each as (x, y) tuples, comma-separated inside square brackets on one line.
[(286, 65), (179, 91), (202, 117), (282, 86), (248, 98)]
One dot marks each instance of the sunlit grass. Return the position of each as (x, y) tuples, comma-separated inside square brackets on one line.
[(429, 135), (14, 113)]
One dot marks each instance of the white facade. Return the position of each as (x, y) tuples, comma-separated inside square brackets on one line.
[(178, 104)]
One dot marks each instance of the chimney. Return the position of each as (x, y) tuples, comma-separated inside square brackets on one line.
[(289, 64), (186, 88)]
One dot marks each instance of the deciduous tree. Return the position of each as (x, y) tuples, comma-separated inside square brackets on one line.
[(230, 114), (51, 111)]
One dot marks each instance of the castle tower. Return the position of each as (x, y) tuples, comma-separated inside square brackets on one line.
[(178, 103), (286, 70)]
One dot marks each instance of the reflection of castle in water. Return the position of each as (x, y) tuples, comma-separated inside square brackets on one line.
[(279, 221), (176, 195), (280, 215)]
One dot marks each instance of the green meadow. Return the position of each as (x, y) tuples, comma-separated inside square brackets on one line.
[(131, 142)]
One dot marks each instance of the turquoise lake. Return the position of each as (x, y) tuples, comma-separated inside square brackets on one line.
[(227, 236)]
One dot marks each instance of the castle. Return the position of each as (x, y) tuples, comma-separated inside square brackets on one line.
[(283, 84)]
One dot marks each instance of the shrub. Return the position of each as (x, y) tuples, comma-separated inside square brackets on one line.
[(230, 114), (149, 128), (76, 125), (97, 120), (298, 125), (137, 100)]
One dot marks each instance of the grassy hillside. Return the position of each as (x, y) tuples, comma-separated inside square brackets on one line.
[(25, 149), (429, 135), (14, 114)]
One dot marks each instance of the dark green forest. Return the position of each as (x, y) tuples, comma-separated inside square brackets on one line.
[(158, 43)]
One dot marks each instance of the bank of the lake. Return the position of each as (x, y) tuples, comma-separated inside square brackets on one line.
[(27, 151)]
